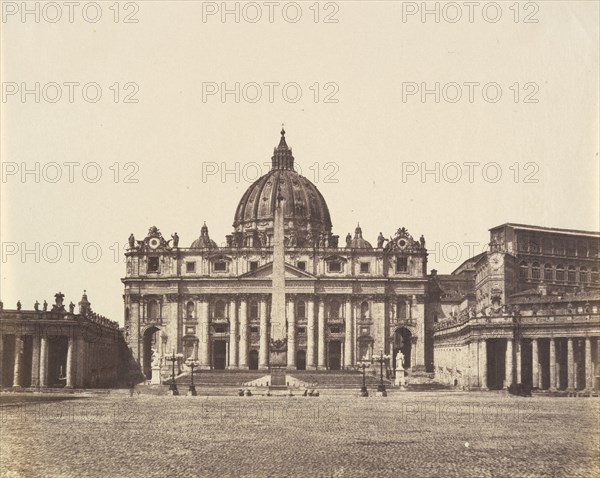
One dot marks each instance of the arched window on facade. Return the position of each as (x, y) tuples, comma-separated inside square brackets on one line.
[(523, 270), (535, 270), (219, 309), (364, 310), (254, 309), (572, 274), (548, 275), (560, 272), (189, 310), (334, 308), (153, 310), (583, 274), (595, 276), (301, 309)]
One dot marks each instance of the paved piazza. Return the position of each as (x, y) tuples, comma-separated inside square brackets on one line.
[(405, 434)]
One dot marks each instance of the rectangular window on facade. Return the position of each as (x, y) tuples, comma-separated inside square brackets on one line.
[(334, 329), (402, 264), (301, 265), (190, 267), (301, 330), (254, 329), (253, 265), (220, 266), (364, 331), (220, 328), (364, 267), (334, 266), (190, 330), (153, 264)]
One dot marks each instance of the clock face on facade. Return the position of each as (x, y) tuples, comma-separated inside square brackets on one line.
[(496, 261), (402, 243), (154, 242)]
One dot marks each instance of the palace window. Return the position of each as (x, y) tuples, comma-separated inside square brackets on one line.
[(254, 329), (220, 266), (548, 276), (595, 276), (301, 309), (593, 250), (335, 329), (572, 274), (560, 272), (334, 309), (547, 246), (190, 267), (220, 328), (301, 265), (254, 309), (364, 267), (523, 270), (153, 264), (534, 247), (253, 266), (190, 330), (301, 330), (535, 270), (189, 310), (582, 249), (401, 264), (219, 309), (583, 274), (571, 249), (334, 266), (364, 310)]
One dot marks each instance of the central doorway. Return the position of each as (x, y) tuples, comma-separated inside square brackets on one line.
[(150, 342), (301, 360), (335, 355), (402, 343), (219, 354), (253, 360)]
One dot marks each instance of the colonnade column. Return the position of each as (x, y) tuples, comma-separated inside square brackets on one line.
[(535, 364), (321, 364), (204, 335), (589, 366), (291, 334), (482, 364), (35, 362), (349, 339), (70, 361), (263, 353), (18, 368), (518, 378), (508, 375), (44, 361), (570, 362), (310, 334), (233, 334), (552, 364), (243, 349)]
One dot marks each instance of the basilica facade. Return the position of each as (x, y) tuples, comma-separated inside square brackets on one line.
[(345, 301)]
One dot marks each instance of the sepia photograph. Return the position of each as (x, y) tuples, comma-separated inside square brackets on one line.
[(352, 238)]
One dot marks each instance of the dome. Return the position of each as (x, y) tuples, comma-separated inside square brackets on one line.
[(358, 242), (304, 208), (204, 241)]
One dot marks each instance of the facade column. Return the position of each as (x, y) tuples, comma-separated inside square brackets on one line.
[(35, 362), (482, 364), (349, 339), (535, 364), (589, 367), (552, 363), (204, 335), (291, 334), (321, 364), (70, 361), (508, 374), (310, 334), (243, 332), (18, 368), (518, 378), (570, 362), (233, 334), (263, 353)]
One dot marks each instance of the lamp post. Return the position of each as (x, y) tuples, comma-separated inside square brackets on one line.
[(173, 358), (190, 362), (363, 391), (381, 387)]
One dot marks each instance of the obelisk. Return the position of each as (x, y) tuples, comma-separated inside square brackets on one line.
[(278, 343)]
